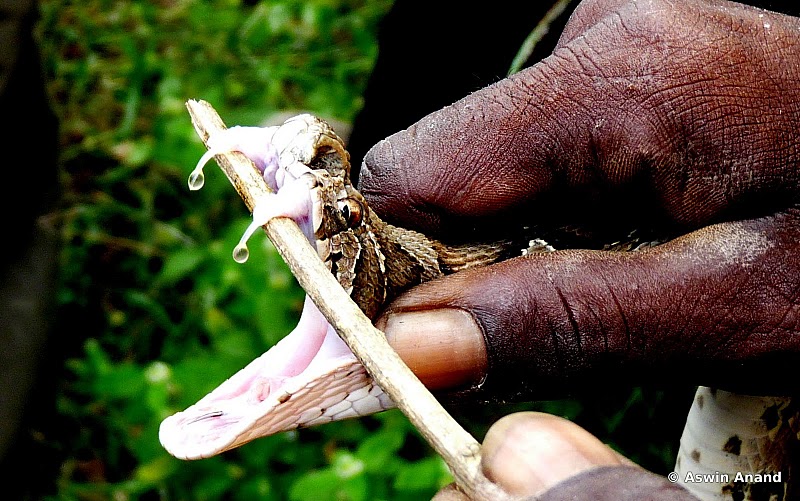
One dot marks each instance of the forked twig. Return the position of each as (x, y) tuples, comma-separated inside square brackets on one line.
[(457, 447)]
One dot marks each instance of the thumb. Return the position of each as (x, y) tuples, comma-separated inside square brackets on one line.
[(547, 458), (528, 453), (538, 456)]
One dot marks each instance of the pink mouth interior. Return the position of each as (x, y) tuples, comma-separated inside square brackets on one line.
[(244, 402), (216, 421)]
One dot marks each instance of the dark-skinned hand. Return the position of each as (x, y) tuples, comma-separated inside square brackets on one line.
[(682, 118)]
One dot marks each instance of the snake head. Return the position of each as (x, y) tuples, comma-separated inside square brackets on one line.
[(308, 168), (304, 162), (343, 235)]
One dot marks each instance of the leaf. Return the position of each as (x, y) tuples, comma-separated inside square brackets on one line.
[(255, 488), (422, 475), (157, 470), (181, 263), (327, 484), (379, 449), (120, 382), (319, 484), (347, 465)]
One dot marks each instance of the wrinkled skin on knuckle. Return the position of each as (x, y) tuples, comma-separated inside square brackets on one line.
[(724, 122), (717, 128), (632, 109)]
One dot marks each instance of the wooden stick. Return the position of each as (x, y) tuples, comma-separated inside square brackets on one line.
[(457, 447)]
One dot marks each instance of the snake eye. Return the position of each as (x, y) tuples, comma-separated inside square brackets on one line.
[(352, 211)]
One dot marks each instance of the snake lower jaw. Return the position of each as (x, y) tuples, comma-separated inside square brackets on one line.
[(312, 368)]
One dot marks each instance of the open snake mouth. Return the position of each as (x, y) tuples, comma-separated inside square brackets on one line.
[(310, 377)]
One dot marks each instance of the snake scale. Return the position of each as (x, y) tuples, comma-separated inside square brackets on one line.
[(734, 447)]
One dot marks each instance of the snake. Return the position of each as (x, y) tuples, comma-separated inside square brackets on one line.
[(734, 447)]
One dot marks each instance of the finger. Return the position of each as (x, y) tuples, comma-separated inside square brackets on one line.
[(528, 453), (719, 307), (636, 112)]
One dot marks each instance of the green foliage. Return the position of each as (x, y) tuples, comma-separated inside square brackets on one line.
[(147, 274)]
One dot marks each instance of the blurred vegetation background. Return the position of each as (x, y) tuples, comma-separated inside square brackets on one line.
[(155, 310)]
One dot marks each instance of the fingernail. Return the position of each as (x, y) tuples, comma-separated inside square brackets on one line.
[(444, 348)]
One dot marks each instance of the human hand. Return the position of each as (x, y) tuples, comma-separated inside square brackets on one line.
[(678, 117), (547, 458)]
